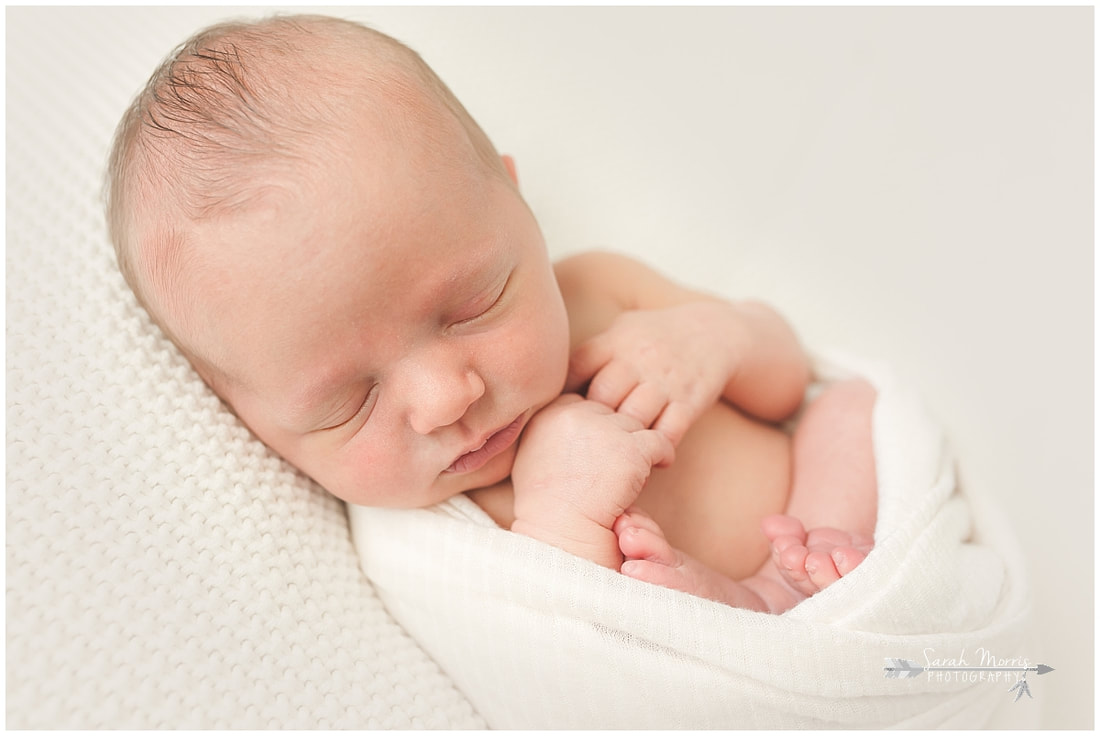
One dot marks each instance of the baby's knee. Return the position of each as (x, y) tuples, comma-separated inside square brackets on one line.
[(840, 414)]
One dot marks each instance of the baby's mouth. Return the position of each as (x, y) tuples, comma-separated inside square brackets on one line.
[(493, 445)]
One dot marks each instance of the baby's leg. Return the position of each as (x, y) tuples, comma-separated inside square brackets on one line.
[(651, 558), (834, 492)]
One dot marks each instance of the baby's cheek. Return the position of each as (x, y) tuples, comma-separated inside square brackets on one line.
[(535, 362), (540, 345), (554, 351), (362, 473)]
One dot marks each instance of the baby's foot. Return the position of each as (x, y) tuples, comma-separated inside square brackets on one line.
[(650, 558), (811, 561)]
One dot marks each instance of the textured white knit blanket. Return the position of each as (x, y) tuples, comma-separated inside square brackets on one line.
[(537, 638), (164, 570)]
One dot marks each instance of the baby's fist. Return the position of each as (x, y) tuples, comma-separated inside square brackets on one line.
[(579, 458)]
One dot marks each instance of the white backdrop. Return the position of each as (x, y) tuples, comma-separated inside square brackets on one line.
[(913, 185)]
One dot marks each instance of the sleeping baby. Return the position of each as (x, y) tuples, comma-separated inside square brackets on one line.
[(336, 246)]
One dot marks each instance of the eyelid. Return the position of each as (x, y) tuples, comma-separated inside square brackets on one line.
[(366, 407), (492, 305)]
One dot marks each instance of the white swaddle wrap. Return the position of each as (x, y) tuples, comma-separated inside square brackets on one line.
[(538, 638)]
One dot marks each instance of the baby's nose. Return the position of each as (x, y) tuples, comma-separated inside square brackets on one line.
[(442, 397)]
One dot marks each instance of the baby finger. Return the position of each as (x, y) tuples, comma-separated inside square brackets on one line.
[(612, 384), (657, 448), (645, 403), (586, 360), (675, 421)]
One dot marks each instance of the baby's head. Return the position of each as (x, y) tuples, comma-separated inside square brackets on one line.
[(334, 243)]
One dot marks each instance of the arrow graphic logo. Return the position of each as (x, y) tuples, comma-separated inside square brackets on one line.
[(908, 668), (1021, 688), (898, 668)]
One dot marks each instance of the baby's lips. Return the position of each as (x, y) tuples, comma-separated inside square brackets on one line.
[(497, 443)]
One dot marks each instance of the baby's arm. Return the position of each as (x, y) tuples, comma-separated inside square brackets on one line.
[(654, 355), (658, 351)]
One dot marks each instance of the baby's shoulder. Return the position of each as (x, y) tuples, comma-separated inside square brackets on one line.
[(597, 286), (602, 276), (614, 280)]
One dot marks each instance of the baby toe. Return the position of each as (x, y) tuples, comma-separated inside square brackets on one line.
[(783, 558), (657, 574), (635, 517), (863, 542), (639, 543), (792, 569), (846, 559), (791, 561), (825, 538), (821, 570), (781, 525)]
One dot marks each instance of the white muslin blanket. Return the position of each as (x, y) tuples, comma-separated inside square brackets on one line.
[(538, 638)]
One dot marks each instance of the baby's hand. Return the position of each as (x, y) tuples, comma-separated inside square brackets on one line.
[(664, 367), (578, 467)]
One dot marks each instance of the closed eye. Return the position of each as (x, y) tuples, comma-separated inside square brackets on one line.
[(493, 304), (361, 414)]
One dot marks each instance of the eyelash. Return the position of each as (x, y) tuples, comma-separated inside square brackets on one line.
[(492, 306), (367, 403)]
